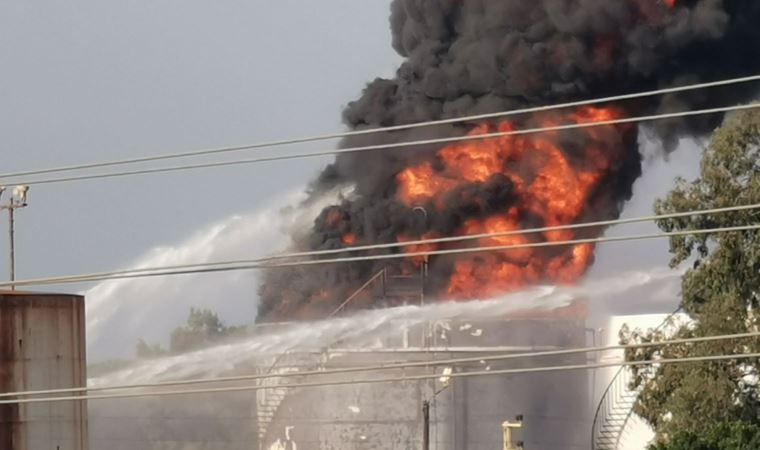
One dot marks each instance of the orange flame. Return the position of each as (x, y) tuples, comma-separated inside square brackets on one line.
[(419, 248), (549, 184)]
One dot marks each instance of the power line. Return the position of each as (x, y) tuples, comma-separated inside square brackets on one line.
[(413, 243), (258, 264), (279, 143), (339, 151), (351, 249), (390, 366), (402, 379)]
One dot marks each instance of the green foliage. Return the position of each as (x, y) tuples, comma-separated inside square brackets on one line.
[(727, 264), (147, 351), (203, 328), (720, 294), (724, 436)]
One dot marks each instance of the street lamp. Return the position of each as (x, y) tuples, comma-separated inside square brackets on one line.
[(17, 200), (445, 380)]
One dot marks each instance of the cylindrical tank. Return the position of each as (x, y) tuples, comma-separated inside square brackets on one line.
[(466, 413), (42, 346)]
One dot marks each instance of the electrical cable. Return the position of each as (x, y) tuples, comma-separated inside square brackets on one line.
[(351, 249), (254, 264), (332, 136), (531, 370), (390, 366), (339, 151)]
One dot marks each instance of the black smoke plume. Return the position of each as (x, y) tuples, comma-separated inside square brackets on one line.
[(465, 57)]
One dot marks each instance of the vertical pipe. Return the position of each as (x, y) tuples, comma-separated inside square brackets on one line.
[(12, 245), (426, 326), (425, 425), (419, 285), (384, 282)]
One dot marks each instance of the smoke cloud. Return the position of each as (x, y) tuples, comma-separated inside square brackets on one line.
[(465, 57)]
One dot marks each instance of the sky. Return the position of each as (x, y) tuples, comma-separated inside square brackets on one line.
[(102, 80)]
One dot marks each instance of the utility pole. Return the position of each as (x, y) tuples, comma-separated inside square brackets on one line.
[(12, 244), (18, 199), (445, 381)]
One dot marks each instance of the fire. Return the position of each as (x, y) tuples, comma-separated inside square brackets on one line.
[(551, 186), (419, 248), (349, 239), (671, 3)]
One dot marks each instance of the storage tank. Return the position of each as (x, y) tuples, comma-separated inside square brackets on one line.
[(42, 346), (466, 414)]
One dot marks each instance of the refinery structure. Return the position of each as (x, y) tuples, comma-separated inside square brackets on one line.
[(462, 413), (405, 307), (428, 406), (437, 411), (449, 412)]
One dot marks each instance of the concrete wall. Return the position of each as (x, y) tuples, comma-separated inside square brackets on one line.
[(42, 346)]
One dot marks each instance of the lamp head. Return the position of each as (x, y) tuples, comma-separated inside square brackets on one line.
[(20, 195), (445, 378)]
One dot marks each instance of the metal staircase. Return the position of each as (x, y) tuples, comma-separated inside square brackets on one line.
[(388, 288), (268, 399), (405, 289), (614, 414), (273, 393), (385, 287)]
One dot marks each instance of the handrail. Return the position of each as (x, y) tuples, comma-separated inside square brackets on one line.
[(604, 399), (356, 294), (630, 412), (622, 427), (603, 402)]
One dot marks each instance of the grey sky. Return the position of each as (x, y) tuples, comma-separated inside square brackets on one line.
[(97, 80), (100, 80)]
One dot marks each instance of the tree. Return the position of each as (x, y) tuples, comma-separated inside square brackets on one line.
[(148, 351), (203, 328), (724, 436), (720, 294)]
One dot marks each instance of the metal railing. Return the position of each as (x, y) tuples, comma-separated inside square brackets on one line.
[(616, 403), (379, 277), (615, 408)]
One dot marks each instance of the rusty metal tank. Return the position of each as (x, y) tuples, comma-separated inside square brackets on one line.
[(42, 346)]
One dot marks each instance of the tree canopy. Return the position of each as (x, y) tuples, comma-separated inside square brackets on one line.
[(720, 294), (724, 436), (203, 328)]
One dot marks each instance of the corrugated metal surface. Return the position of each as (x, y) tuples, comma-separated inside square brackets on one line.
[(42, 346)]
